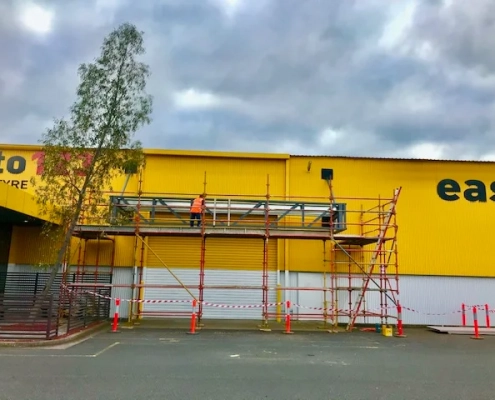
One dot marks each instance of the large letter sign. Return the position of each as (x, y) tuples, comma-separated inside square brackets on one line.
[(475, 192)]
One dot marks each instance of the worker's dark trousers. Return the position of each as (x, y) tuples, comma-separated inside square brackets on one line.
[(195, 216)]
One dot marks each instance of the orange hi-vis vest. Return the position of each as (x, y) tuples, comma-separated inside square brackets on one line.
[(196, 206)]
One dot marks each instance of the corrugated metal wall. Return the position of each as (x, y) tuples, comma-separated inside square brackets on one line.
[(306, 255), (221, 253), (436, 237), (160, 276), (175, 252), (239, 254), (228, 262), (218, 296), (20, 268), (444, 296), (122, 276), (124, 254), (237, 296), (234, 176), (434, 300), (99, 252), (40, 250), (308, 298)]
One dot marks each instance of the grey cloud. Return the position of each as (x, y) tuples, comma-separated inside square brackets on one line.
[(463, 32), (295, 67)]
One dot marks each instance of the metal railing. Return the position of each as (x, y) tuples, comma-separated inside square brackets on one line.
[(221, 212), (33, 283), (25, 313), (28, 317), (80, 309)]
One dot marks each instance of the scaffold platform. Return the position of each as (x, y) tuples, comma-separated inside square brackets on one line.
[(95, 231)]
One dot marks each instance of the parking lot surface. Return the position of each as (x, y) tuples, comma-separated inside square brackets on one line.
[(167, 365)]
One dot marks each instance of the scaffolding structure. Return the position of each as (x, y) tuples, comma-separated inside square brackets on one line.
[(359, 245)]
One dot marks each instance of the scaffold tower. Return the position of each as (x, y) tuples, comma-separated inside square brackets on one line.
[(360, 280)]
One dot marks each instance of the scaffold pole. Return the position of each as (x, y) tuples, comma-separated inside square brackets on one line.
[(264, 324), (202, 257)]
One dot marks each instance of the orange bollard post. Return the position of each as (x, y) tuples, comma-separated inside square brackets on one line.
[(287, 318), (116, 316), (487, 311), (400, 327), (463, 308), (192, 329), (476, 326)]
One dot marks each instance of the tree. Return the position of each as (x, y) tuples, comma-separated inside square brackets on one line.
[(82, 155)]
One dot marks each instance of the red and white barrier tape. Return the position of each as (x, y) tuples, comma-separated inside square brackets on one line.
[(238, 306), (185, 301)]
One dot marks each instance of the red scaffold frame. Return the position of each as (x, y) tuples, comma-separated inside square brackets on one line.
[(347, 257)]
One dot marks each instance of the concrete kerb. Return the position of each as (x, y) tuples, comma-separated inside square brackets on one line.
[(219, 325), (248, 325), (55, 342)]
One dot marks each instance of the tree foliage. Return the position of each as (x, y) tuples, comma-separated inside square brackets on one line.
[(83, 154)]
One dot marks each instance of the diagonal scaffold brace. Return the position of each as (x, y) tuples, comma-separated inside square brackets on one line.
[(165, 265), (379, 244)]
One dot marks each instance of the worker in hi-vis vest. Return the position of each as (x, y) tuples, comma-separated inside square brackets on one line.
[(196, 209)]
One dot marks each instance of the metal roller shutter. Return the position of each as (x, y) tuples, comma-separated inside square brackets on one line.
[(228, 262), (239, 254), (237, 262), (182, 256), (175, 252)]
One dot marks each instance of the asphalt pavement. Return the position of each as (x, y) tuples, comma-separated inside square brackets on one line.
[(142, 364)]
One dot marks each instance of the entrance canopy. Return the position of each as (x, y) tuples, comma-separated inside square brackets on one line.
[(18, 207)]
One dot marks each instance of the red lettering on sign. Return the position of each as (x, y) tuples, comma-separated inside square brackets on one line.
[(86, 163), (39, 157), (86, 160)]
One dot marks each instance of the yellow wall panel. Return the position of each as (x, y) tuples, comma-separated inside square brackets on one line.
[(224, 176), (436, 237), (76, 244), (239, 254), (124, 251), (307, 255), (99, 253), (174, 252), (39, 251), (17, 166), (221, 253)]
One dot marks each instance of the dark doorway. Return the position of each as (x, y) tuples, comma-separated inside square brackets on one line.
[(5, 240)]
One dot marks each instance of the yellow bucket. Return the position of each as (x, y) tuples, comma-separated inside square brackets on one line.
[(387, 331)]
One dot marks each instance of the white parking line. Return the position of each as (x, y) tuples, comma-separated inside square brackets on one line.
[(105, 349), (62, 355)]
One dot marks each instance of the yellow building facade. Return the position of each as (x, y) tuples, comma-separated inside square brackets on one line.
[(443, 213)]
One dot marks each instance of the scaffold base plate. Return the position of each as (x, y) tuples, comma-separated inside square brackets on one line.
[(461, 330)]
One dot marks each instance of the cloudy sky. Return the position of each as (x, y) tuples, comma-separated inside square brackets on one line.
[(341, 77)]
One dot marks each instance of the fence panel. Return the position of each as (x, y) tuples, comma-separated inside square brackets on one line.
[(34, 282), (80, 309), (28, 317), (59, 313)]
